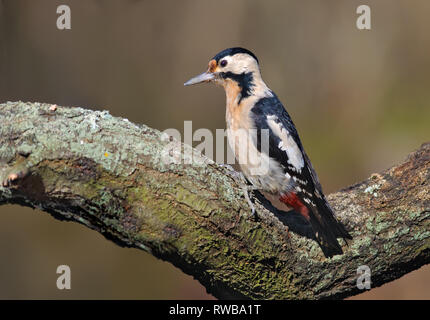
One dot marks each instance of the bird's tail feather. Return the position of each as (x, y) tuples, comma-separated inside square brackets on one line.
[(320, 215), (328, 229)]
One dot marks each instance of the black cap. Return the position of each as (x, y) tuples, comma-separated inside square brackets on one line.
[(233, 51)]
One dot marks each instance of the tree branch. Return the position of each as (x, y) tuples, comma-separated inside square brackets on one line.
[(111, 175)]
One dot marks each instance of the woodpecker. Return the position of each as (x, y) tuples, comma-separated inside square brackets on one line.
[(267, 146)]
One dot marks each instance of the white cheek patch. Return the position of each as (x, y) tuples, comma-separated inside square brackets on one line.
[(241, 63), (287, 143)]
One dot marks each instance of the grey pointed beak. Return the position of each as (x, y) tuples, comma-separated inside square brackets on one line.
[(204, 77)]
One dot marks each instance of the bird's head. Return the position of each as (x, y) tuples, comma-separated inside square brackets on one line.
[(232, 68)]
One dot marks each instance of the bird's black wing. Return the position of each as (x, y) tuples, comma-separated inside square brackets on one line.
[(286, 148)]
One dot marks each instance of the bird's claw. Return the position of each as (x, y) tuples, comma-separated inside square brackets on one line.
[(241, 179), (246, 189)]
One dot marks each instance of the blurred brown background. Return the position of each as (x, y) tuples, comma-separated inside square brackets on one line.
[(360, 99)]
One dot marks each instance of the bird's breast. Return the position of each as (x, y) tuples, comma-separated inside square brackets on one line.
[(261, 170)]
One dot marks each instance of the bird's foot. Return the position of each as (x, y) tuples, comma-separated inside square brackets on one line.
[(245, 185), (227, 167), (246, 189)]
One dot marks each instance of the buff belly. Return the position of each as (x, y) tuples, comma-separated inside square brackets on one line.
[(261, 170)]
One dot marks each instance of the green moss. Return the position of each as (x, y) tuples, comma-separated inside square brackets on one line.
[(359, 244), (423, 248), (381, 226), (421, 235)]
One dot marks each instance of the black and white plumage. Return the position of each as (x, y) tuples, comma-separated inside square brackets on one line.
[(267, 146)]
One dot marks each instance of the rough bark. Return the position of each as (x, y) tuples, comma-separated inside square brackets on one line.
[(112, 176)]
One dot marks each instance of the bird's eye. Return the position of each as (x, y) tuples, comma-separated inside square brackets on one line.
[(223, 63)]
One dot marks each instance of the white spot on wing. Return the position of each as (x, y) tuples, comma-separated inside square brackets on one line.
[(303, 182), (287, 143), (309, 201)]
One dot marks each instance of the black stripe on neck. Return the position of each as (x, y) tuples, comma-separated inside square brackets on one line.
[(245, 81)]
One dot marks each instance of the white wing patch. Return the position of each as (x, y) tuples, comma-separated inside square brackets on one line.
[(287, 143)]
